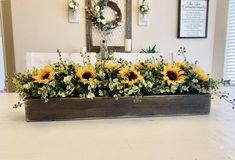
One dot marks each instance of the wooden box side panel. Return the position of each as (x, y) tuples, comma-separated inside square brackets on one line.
[(73, 108)]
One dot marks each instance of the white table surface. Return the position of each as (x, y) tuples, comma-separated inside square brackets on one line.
[(208, 137)]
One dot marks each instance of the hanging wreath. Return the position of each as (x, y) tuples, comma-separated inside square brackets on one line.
[(95, 15)]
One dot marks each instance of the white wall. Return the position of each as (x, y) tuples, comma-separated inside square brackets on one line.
[(43, 26)]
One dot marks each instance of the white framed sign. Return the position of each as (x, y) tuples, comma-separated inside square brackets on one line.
[(193, 18)]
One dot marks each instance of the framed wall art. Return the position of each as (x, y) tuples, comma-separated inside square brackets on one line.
[(193, 18), (108, 20)]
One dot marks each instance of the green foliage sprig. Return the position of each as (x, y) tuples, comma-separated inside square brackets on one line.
[(73, 5), (149, 50), (144, 7)]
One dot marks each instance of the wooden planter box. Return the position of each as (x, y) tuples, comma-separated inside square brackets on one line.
[(105, 107)]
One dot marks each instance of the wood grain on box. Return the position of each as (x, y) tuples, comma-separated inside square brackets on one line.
[(105, 107)]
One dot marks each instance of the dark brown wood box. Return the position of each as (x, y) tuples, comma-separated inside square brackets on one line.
[(105, 107)]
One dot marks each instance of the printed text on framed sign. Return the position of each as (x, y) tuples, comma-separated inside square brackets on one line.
[(193, 18)]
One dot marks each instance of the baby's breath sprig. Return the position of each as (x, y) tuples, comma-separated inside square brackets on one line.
[(86, 58), (17, 105), (225, 95), (182, 51), (60, 58)]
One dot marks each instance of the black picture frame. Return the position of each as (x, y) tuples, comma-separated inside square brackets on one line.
[(128, 30), (180, 35)]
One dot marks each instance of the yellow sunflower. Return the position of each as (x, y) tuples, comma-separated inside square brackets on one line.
[(181, 64), (86, 75), (44, 75), (139, 65), (153, 65), (130, 75), (201, 74), (172, 74), (112, 66)]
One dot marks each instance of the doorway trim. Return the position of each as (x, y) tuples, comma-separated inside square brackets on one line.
[(8, 42)]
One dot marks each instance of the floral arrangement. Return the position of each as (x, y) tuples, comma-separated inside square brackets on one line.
[(73, 5), (114, 79), (144, 7), (95, 14)]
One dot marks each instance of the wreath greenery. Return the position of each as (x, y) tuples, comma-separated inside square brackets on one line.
[(96, 15)]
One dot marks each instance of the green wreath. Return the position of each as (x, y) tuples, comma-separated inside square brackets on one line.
[(97, 18)]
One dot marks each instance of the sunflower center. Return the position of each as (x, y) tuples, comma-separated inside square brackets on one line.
[(132, 76), (171, 75), (46, 76), (87, 75)]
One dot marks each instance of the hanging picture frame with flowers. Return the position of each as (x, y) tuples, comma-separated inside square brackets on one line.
[(143, 13), (108, 20)]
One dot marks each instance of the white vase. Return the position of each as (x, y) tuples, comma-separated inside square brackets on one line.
[(143, 19), (73, 16), (104, 50)]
